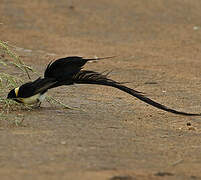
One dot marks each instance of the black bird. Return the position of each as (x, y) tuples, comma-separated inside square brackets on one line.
[(68, 71)]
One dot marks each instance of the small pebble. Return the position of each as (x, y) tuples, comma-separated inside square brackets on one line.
[(191, 128), (195, 28), (63, 142), (71, 7), (188, 124)]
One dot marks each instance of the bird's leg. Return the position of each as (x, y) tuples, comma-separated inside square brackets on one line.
[(37, 104)]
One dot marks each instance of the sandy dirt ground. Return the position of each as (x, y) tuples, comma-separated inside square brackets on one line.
[(112, 136)]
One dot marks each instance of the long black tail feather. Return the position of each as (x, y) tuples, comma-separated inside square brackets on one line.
[(90, 77)]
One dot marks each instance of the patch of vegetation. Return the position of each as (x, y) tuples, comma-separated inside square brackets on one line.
[(7, 81), (4, 50)]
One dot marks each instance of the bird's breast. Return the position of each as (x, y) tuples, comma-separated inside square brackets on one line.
[(33, 99)]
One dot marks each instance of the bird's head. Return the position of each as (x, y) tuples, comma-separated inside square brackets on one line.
[(12, 94)]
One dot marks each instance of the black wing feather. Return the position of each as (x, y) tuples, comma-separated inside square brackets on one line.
[(67, 67), (64, 67), (38, 86)]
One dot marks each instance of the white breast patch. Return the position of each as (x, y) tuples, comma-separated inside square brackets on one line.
[(33, 99)]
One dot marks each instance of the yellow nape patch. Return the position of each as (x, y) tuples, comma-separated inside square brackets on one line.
[(16, 91)]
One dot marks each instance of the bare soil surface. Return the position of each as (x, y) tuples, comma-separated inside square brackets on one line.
[(112, 136)]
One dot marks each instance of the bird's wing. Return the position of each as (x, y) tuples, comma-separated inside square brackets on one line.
[(67, 67), (38, 86), (64, 67)]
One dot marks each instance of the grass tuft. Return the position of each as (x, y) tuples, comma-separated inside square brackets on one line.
[(7, 81), (15, 59)]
